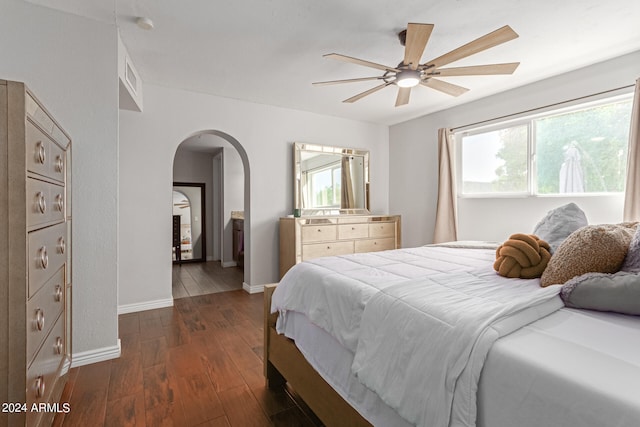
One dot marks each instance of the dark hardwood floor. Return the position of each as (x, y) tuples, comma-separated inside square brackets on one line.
[(198, 363)]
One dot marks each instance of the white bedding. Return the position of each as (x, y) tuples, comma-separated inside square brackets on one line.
[(571, 368), (337, 308), (423, 343), (317, 289)]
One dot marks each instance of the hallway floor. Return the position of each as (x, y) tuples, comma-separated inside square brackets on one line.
[(201, 278)]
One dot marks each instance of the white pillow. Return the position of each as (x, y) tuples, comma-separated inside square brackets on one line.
[(559, 223)]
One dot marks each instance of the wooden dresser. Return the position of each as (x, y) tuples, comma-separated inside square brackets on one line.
[(35, 258), (306, 238)]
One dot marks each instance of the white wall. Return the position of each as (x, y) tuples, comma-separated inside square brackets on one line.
[(413, 165), (70, 64), (265, 133), (233, 196)]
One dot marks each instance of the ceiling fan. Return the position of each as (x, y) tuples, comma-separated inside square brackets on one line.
[(182, 204), (410, 72)]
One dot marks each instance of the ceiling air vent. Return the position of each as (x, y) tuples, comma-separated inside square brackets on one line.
[(130, 77)]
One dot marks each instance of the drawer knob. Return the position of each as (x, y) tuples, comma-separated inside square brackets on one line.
[(57, 294), (59, 163), (39, 319), (41, 154), (62, 246), (41, 202), (59, 202), (44, 258), (39, 386), (59, 346)]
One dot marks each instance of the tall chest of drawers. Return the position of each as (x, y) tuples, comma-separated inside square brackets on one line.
[(35, 258), (306, 238)]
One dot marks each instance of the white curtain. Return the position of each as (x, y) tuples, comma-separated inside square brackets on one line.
[(632, 192), (446, 229)]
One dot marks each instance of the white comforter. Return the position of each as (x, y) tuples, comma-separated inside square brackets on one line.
[(420, 321)]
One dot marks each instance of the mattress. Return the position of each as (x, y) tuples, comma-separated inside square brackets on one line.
[(571, 368)]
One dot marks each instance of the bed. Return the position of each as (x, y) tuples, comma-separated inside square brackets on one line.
[(330, 330)]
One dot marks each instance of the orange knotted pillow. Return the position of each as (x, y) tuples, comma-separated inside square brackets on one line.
[(523, 255)]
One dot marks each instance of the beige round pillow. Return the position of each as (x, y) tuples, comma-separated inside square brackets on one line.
[(590, 249)]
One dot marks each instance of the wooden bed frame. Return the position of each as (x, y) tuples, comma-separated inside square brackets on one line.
[(284, 363)]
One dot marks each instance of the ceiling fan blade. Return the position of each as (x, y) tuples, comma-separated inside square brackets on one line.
[(403, 96), (445, 87), (485, 42), (366, 92), (362, 62), (478, 70), (416, 40), (332, 82)]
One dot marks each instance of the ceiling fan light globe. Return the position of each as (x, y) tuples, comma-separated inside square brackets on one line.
[(408, 82), (408, 78)]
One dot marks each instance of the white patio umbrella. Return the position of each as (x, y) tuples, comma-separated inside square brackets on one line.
[(571, 176)]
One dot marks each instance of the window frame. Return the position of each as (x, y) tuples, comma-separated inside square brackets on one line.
[(331, 167), (528, 120)]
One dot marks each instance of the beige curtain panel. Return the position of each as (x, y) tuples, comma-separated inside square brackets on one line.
[(446, 229), (347, 199), (632, 191)]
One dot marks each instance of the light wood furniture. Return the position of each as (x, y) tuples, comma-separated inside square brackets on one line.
[(35, 257), (283, 362), (238, 241), (306, 238)]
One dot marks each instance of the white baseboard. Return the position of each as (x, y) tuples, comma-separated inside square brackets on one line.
[(255, 289), (143, 306), (226, 264), (95, 356)]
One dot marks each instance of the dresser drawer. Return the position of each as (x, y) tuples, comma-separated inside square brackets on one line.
[(317, 250), (373, 245), (45, 203), (382, 229), (319, 233), (43, 372), (42, 310), (44, 157), (353, 231), (47, 253)]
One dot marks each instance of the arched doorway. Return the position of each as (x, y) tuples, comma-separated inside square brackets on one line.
[(218, 161)]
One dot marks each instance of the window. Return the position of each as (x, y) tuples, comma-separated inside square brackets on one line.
[(325, 185), (578, 150)]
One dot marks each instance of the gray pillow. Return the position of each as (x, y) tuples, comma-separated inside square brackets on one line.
[(632, 260), (559, 223), (619, 292)]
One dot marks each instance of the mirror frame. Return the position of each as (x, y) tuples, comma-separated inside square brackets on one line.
[(203, 231), (298, 148)]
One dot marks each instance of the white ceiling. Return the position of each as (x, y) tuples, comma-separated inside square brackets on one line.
[(270, 51)]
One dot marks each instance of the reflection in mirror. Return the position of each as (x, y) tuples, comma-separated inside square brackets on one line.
[(188, 227), (330, 180)]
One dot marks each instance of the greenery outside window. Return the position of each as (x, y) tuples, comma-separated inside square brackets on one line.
[(325, 186), (582, 150)]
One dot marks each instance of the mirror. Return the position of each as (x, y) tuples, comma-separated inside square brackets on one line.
[(188, 222), (330, 180)]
